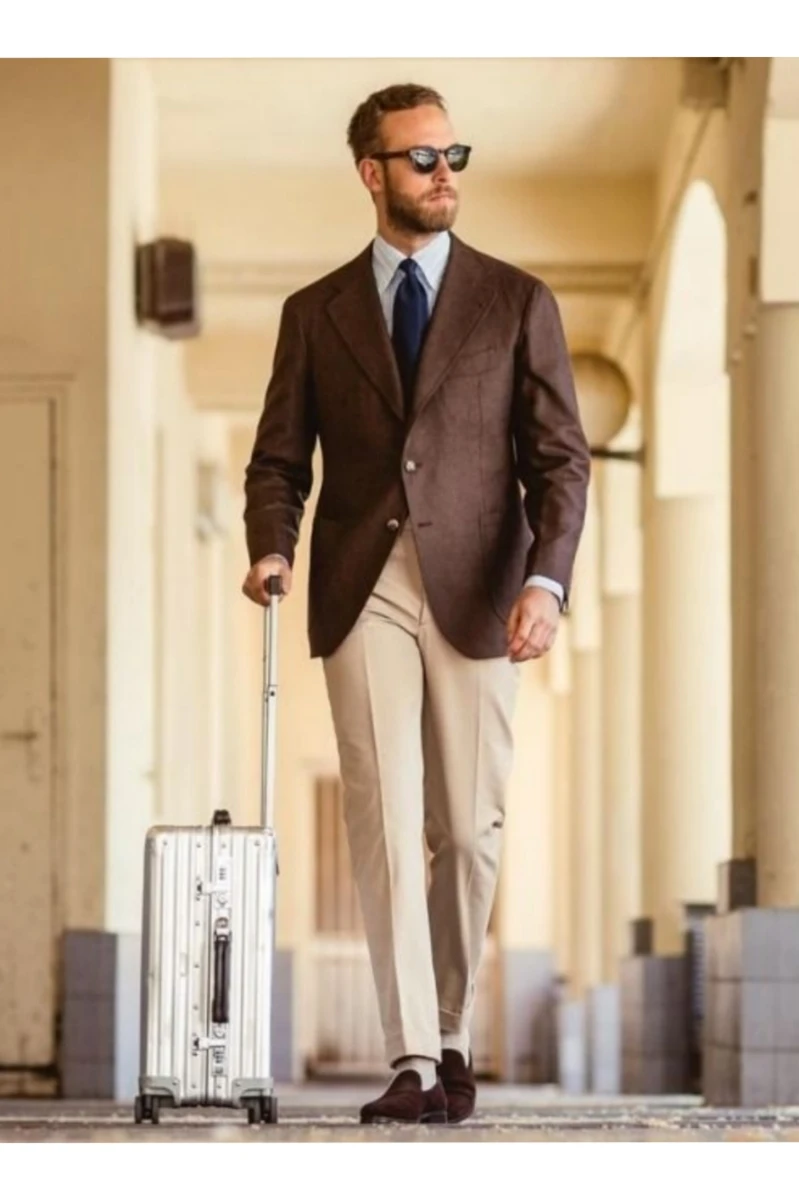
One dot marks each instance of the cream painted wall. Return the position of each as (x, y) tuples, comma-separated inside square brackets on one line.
[(216, 524), (82, 191), (780, 245), (131, 408), (180, 650), (324, 217), (525, 899), (53, 207)]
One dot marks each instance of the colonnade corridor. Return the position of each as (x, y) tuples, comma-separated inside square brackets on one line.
[(640, 976)]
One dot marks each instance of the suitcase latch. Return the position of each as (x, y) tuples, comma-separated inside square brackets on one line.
[(208, 1043), (212, 889)]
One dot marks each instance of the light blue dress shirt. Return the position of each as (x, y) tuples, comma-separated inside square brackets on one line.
[(431, 260)]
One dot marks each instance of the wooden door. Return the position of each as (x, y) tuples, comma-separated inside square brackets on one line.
[(27, 853)]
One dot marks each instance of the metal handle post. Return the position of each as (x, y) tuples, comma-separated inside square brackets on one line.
[(268, 725)]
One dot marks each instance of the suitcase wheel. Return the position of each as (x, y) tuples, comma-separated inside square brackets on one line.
[(262, 1111), (147, 1108)]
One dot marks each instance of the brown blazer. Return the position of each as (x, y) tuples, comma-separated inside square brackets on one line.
[(494, 406)]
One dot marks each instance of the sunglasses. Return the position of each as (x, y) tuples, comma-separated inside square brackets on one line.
[(424, 159)]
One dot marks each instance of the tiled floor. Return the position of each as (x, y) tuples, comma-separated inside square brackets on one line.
[(330, 1113)]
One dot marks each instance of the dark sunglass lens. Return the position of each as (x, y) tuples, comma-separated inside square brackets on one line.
[(424, 160), (457, 157)]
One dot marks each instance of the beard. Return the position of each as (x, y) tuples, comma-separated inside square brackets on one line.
[(420, 215)]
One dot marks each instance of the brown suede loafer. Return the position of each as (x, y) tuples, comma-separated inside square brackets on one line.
[(404, 1101), (459, 1085)]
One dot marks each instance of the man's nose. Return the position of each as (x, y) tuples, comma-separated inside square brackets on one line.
[(442, 172)]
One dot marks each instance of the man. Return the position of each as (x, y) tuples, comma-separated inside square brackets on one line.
[(436, 379)]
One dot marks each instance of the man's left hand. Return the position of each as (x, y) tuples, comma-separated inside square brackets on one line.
[(532, 624)]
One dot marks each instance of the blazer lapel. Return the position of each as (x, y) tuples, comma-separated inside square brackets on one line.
[(357, 315), (466, 295)]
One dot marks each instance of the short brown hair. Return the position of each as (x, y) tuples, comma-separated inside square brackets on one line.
[(363, 134)]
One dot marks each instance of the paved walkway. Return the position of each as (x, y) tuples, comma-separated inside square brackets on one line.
[(329, 1113)]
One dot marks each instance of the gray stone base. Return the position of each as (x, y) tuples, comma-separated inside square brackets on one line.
[(87, 1052), (99, 1051), (654, 1025), (572, 1047), (528, 991), (604, 1040), (751, 1027)]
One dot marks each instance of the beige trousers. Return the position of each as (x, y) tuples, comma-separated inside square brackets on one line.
[(425, 747)]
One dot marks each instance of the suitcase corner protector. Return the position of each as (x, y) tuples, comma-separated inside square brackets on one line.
[(160, 1085), (242, 1090)]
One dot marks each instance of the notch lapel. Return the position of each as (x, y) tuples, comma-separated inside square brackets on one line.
[(467, 292), (356, 313)]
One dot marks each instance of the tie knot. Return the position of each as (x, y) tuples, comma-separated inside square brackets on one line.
[(410, 268)]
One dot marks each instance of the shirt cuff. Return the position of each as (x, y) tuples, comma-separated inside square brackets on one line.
[(543, 581)]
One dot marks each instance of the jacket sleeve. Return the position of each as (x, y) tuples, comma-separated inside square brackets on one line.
[(279, 476), (552, 456)]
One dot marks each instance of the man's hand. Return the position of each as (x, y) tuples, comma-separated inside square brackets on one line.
[(254, 585), (532, 624)]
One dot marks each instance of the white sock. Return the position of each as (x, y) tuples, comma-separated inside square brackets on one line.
[(426, 1068), (457, 1041)]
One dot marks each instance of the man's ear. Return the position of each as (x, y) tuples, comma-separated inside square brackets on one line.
[(371, 177)]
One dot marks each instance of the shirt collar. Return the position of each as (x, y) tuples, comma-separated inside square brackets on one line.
[(431, 259)]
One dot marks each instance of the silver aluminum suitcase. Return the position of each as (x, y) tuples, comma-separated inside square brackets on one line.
[(208, 935)]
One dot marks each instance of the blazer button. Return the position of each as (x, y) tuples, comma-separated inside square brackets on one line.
[(393, 524)]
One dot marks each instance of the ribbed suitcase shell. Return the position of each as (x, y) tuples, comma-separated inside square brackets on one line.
[(196, 881)]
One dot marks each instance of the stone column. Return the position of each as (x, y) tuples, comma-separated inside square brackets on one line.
[(742, 457), (621, 709), (522, 929), (560, 685), (586, 759), (687, 809), (773, 590)]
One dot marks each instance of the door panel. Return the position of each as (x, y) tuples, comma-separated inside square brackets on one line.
[(27, 868)]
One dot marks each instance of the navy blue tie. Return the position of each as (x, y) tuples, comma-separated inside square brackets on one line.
[(408, 325)]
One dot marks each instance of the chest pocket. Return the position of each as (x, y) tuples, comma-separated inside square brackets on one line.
[(475, 362)]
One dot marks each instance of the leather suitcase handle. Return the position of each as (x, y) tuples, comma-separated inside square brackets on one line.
[(220, 1009)]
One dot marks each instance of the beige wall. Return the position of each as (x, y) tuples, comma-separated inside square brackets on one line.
[(129, 540), (54, 298), (131, 407), (525, 899), (245, 214)]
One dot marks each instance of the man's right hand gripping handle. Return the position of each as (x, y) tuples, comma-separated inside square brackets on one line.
[(256, 585)]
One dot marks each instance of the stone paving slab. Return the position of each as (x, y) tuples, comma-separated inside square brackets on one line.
[(330, 1114)]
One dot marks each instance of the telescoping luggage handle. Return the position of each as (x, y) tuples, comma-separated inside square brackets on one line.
[(268, 728)]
